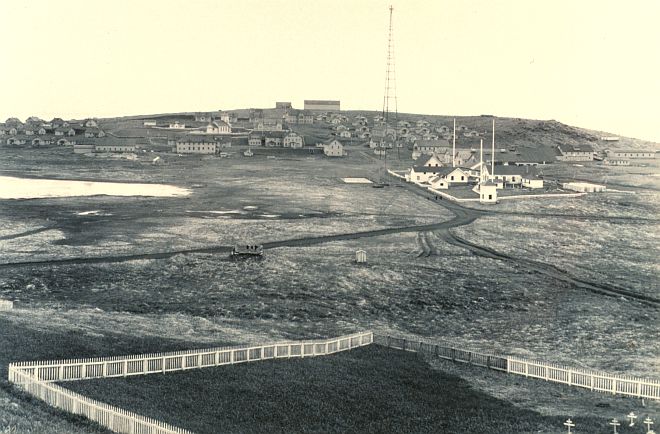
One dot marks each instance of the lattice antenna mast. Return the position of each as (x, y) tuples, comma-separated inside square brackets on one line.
[(389, 99)]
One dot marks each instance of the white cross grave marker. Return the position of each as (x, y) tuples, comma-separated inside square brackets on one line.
[(648, 422), (632, 416), (569, 424), (615, 423)]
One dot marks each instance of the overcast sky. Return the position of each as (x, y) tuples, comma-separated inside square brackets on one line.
[(589, 63)]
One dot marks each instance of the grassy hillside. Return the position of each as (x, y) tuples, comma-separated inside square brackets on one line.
[(510, 132)]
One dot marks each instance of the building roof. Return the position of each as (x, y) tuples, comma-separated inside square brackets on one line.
[(440, 170), (512, 169), (198, 138), (438, 143), (576, 148), (333, 139)]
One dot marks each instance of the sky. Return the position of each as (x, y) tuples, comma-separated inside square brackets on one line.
[(588, 63)]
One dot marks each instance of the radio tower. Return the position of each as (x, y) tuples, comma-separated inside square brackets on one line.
[(390, 85)]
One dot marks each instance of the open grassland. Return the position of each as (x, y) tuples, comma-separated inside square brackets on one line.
[(234, 204), (369, 389), (415, 284), (313, 291), (587, 249)]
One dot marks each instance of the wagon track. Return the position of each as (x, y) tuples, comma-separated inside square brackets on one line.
[(462, 216), (550, 271)]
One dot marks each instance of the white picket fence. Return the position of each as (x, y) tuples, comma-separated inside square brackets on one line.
[(6, 305), (586, 378), (36, 378)]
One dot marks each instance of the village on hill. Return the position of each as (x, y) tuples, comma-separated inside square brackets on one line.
[(464, 161)]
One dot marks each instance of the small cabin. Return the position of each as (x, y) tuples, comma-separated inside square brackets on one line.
[(361, 257)]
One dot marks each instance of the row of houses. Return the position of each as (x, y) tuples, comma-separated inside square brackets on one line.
[(283, 139)]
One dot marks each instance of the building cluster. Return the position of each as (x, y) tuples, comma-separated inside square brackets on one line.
[(485, 180), (37, 132)]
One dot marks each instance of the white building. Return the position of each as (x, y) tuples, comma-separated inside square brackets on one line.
[(630, 153), (575, 153), (176, 126), (293, 140), (217, 127), (584, 187), (334, 148), (487, 192), (115, 148), (196, 145)]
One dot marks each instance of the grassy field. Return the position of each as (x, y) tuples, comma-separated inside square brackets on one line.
[(415, 284), (369, 389)]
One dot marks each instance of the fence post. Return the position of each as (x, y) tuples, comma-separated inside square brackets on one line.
[(163, 364), (591, 381), (60, 370), (570, 377), (144, 366), (488, 362), (613, 386), (104, 370), (125, 367)]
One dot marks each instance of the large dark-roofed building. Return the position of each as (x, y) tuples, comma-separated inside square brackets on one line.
[(322, 105)]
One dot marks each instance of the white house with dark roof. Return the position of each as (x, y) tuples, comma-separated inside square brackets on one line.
[(424, 174), (293, 140), (256, 138), (517, 176), (94, 132), (18, 140), (334, 148), (41, 141), (575, 152), (432, 160), (216, 127)]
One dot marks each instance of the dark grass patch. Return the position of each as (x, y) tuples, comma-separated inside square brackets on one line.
[(370, 389)]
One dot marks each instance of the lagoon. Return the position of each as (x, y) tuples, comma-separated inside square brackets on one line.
[(31, 188)]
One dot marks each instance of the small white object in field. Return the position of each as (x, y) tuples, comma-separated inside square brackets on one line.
[(632, 416), (648, 422), (569, 424), (615, 423), (356, 181)]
